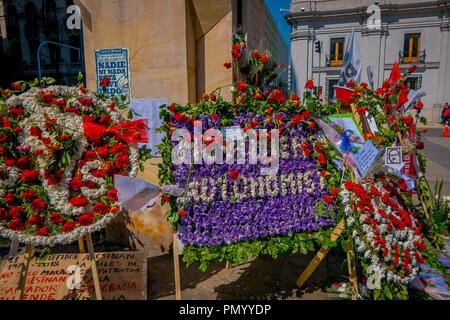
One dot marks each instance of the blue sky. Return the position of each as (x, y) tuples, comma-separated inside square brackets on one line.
[(274, 7)]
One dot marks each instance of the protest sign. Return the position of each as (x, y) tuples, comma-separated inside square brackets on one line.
[(67, 276), (114, 65)]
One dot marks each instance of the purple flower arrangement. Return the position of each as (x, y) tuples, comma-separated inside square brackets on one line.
[(222, 210)]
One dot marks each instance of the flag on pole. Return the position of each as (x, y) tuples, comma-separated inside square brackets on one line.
[(395, 75), (351, 68)]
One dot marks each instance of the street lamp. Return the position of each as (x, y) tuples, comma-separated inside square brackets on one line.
[(55, 43)]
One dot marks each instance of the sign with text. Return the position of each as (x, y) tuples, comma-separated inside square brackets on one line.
[(114, 65), (68, 276)]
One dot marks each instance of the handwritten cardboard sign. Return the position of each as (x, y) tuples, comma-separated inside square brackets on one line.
[(365, 157), (68, 276)]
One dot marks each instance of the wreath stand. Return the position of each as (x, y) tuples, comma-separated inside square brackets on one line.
[(29, 254)]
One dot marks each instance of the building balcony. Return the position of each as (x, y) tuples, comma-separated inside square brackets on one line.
[(405, 58)]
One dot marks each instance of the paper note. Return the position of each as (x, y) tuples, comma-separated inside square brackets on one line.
[(365, 157)]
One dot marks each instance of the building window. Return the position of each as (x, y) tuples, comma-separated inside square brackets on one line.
[(337, 51), (331, 83), (413, 83), (31, 25), (411, 48), (75, 56)]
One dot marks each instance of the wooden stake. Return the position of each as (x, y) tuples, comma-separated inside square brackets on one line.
[(312, 266), (93, 266), (81, 245), (24, 271), (176, 265), (228, 265), (13, 247), (352, 270)]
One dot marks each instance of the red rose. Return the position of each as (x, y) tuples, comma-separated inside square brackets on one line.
[(38, 205), (121, 162), (47, 97), (23, 163), (36, 132), (103, 152), (43, 231), (309, 84), (419, 105), (105, 121), (182, 212), (36, 220), (328, 199), (86, 102), (75, 184), (119, 149), (227, 65), (29, 176), (16, 85), (68, 226), (78, 201), (86, 219), (16, 212), (89, 119), (3, 214), (334, 192), (234, 174), (9, 198), (90, 155), (241, 86), (15, 112), (264, 59), (6, 93), (105, 82), (18, 130), (9, 162), (7, 123), (100, 208), (112, 195), (321, 159), (17, 225), (98, 173), (56, 218), (89, 184), (54, 178)]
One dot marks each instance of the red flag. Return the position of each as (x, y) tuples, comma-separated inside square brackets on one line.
[(345, 95), (135, 131), (395, 75)]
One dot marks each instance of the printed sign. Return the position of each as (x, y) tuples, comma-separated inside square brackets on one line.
[(68, 276), (114, 65), (365, 157), (393, 156)]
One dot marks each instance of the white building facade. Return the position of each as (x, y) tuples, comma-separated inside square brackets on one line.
[(410, 32)]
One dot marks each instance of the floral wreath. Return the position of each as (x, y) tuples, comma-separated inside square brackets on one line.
[(60, 148)]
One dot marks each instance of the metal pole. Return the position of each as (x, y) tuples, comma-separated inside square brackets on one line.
[(320, 58), (55, 43)]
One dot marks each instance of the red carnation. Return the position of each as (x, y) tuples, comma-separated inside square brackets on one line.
[(23, 163), (100, 208), (241, 86), (334, 192), (227, 65), (234, 174), (105, 121), (86, 219), (16, 212), (98, 173), (264, 59), (3, 214), (36, 132), (78, 201), (7, 123), (38, 205), (90, 155)]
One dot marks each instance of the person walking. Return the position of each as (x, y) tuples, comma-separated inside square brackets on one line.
[(446, 115), (444, 111)]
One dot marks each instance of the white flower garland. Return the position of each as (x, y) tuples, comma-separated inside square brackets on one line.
[(58, 194)]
